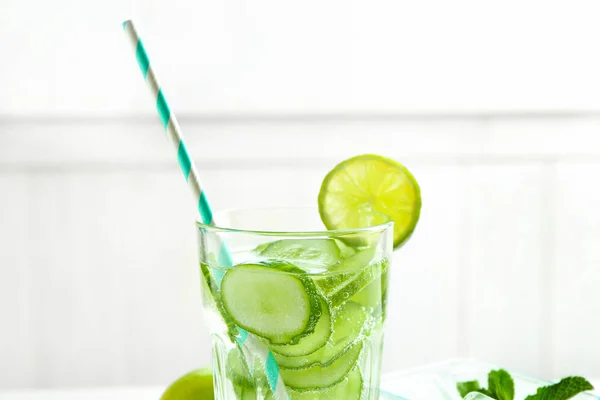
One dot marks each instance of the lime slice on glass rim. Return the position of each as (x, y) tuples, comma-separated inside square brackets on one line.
[(369, 190)]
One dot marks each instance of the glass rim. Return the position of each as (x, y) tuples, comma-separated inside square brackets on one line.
[(306, 233)]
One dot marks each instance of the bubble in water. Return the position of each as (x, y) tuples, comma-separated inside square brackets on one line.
[(346, 295)]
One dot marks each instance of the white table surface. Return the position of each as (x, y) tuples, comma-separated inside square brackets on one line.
[(125, 393)]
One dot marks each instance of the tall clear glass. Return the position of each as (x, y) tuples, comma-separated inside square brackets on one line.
[(315, 298)]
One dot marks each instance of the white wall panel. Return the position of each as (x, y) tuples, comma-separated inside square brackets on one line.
[(100, 280), (423, 317), (217, 143), (99, 284), (502, 248), (17, 278), (577, 252)]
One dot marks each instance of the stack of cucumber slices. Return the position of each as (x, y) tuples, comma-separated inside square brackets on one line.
[(316, 325), (319, 304)]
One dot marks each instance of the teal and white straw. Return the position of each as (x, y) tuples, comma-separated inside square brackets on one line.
[(250, 344)]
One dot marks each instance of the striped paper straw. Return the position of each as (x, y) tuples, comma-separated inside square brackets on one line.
[(251, 344)]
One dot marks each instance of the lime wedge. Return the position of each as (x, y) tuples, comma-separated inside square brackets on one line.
[(368, 190), (194, 385)]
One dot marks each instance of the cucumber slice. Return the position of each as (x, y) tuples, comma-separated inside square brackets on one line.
[(276, 305), (213, 296), (373, 296), (238, 390), (249, 394), (237, 370), (244, 392), (348, 389), (307, 254), (244, 384), (312, 342), (208, 294), (270, 396), (316, 376), (345, 249), (346, 271), (358, 260), (349, 322), (347, 290)]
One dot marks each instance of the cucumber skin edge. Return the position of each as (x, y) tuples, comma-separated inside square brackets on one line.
[(276, 348), (360, 345), (232, 331), (314, 298)]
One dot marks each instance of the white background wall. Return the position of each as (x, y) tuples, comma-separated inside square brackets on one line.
[(495, 108)]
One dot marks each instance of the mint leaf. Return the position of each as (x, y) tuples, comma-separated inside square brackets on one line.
[(464, 388), (566, 389), (501, 385)]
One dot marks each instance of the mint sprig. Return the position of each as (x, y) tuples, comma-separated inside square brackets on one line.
[(567, 388), (501, 386)]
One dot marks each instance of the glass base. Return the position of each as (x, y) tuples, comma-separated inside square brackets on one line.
[(230, 384)]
